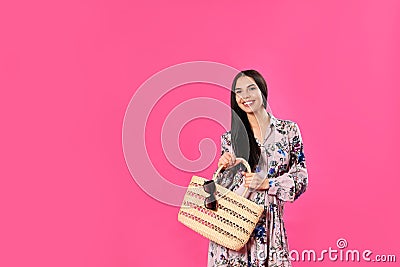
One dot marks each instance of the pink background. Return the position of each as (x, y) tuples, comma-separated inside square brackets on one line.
[(69, 69)]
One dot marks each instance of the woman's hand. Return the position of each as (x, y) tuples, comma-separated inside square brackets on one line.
[(254, 181), (227, 160)]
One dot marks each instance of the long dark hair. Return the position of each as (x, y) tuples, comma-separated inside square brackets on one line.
[(244, 143)]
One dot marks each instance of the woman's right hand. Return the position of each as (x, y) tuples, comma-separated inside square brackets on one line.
[(227, 160)]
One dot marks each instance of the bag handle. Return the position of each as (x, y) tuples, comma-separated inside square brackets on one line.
[(246, 164)]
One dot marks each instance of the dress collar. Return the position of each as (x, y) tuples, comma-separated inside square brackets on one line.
[(273, 120)]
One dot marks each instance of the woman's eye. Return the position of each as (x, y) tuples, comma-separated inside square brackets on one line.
[(252, 88), (238, 91)]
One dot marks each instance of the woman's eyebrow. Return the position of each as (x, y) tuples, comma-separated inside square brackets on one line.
[(247, 86)]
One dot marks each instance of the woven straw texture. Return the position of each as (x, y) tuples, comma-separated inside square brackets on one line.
[(233, 222)]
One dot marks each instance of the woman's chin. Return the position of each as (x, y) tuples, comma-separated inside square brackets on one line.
[(248, 110)]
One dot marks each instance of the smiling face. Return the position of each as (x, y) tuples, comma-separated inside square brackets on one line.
[(248, 95)]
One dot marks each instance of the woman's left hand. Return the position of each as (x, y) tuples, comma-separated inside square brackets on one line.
[(254, 181)]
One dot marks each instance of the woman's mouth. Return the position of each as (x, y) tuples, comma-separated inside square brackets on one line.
[(248, 103)]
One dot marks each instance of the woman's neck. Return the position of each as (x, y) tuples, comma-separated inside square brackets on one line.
[(259, 119)]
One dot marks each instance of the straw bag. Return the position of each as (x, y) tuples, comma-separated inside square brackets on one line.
[(231, 224)]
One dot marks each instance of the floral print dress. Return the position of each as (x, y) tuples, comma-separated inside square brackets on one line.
[(282, 161)]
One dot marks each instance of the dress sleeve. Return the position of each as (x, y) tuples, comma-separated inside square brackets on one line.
[(225, 147), (289, 186)]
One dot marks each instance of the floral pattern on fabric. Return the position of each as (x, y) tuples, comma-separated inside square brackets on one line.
[(282, 160)]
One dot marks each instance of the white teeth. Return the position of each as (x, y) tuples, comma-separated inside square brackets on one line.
[(248, 102)]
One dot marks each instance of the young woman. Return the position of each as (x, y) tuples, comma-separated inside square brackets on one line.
[(274, 150)]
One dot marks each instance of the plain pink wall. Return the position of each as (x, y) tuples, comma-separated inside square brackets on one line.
[(69, 70)]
